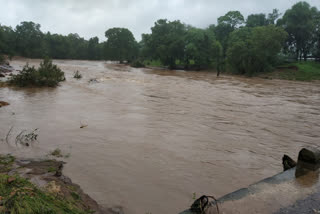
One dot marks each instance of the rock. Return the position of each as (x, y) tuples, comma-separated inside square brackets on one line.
[(310, 155), (2, 75), (2, 103), (308, 160), (288, 163)]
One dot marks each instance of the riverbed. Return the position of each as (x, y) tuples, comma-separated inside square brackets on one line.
[(154, 139)]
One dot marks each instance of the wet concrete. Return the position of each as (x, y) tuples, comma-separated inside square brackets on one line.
[(156, 137), (283, 193)]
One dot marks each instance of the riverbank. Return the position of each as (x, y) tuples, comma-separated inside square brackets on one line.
[(300, 71), (297, 71), (39, 186)]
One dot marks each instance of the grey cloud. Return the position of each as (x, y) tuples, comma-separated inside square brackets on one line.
[(91, 18)]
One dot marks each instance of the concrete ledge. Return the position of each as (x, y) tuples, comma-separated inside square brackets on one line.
[(277, 193)]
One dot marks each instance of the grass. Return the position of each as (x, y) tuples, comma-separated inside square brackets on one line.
[(306, 71), (6, 162), (20, 196), (137, 64), (47, 75), (153, 63), (57, 153)]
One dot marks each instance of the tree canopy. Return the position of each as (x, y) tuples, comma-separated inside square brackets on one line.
[(121, 45), (245, 45)]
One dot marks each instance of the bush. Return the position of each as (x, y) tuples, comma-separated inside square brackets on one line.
[(2, 59), (137, 64), (255, 50), (77, 75), (47, 74)]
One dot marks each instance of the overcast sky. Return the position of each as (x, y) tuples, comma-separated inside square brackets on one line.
[(91, 18)]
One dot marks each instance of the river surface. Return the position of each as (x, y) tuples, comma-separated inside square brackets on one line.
[(156, 137)]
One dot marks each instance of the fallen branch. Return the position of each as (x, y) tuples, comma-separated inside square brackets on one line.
[(8, 134)]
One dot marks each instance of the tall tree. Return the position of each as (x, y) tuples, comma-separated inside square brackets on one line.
[(29, 39), (272, 17), (256, 20), (167, 41), (255, 49), (200, 47), (94, 51), (121, 45), (7, 40), (299, 22), (232, 18), (226, 25)]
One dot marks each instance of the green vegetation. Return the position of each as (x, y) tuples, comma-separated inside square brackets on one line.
[(302, 71), (18, 195), (254, 50), (153, 63), (57, 153), (47, 74), (77, 75), (6, 162), (121, 45), (241, 45), (137, 64)]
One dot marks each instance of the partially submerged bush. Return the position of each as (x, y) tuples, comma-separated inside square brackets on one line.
[(77, 75), (57, 153), (137, 64), (47, 74)]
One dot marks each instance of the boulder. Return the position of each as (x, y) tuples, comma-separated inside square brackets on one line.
[(308, 160), (288, 163)]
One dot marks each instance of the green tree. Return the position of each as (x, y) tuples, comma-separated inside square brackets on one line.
[(121, 45), (255, 50), (299, 22), (256, 20), (272, 17), (7, 40), (226, 25), (94, 51), (200, 47), (29, 40), (316, 37), (232, 18), (167, 41)]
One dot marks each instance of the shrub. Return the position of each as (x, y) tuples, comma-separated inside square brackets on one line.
[(47, 74), (137, 64), (77, 75), (2, 59)]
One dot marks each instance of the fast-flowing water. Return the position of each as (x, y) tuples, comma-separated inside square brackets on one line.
[(156, 137)]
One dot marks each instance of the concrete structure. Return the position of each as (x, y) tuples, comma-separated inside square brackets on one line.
[(294, 191)]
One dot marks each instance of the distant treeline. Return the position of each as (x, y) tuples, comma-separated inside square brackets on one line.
[(244, 46)]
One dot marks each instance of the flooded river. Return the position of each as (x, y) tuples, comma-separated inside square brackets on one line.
[(155, 137)]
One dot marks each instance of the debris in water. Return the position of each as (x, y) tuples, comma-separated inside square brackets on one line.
[(83, 125), (3, 103)]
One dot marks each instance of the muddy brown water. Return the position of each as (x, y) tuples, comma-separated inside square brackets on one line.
[(155, 137)]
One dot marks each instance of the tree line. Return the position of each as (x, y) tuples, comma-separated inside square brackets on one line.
[(244, 46)]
